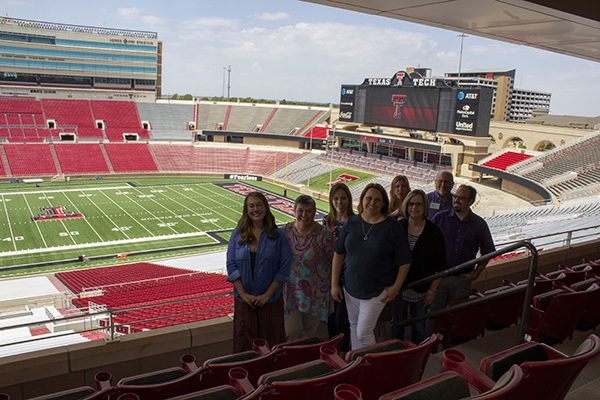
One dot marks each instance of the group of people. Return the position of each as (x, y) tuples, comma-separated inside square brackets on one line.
[(311, 279)]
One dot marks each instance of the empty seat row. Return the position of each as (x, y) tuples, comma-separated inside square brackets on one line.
[(312, 369)]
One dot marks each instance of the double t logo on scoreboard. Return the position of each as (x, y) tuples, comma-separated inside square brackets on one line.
[(398, 101)]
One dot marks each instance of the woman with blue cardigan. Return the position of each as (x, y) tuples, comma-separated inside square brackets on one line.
[(258, 264)]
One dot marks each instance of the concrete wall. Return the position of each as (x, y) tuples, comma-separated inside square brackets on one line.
[(532, 135), (33, 374)]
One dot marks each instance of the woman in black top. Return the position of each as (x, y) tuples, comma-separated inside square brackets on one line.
[(429, 257)]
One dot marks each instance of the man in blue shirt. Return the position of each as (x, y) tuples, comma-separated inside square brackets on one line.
[(465, 234), (441, 198)]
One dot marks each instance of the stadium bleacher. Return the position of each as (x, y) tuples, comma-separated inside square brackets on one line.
[(567, 171), (506, 159), (81, 158), (130, 157), (122, 286), (30, 159)]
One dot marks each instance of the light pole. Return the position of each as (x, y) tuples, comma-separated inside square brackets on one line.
[(462, 37), (228, 81)]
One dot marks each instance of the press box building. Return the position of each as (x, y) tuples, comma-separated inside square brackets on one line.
[(53, 60)]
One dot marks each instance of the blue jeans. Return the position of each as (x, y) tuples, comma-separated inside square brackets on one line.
[(416, 308)]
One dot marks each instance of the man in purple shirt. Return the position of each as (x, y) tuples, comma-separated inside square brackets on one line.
[(465, 233), (441, 198)]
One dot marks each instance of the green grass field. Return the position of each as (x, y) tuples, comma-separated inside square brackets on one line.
[(119, 217), (319, 183)]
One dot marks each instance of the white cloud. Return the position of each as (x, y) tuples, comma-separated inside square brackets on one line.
[(129, 13), (267, 16), (256, 67), (202, 23), (134, 13)]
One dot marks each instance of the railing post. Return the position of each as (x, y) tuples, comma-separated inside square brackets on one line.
[(569, 237), (529, 293), (110, 323)]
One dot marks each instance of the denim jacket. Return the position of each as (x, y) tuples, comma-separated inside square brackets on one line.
[(273, 263)]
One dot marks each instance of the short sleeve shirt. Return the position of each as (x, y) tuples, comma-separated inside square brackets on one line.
[(372, 264), (436, 204)]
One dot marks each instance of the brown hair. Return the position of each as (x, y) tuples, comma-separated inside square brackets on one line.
[(330, 219), (386, 202), (472, 191), (412, 194), (394, 200), (245, 224)]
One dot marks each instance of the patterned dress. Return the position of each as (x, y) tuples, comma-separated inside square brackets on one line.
[(309, 287)]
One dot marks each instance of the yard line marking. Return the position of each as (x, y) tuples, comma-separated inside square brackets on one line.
[(50, 190), (86, 220), (110, 243), (115, 203), (9, 227), (35, 222), (102, 211), (208, 198), (187, 208), (62, 222), (174, 214)]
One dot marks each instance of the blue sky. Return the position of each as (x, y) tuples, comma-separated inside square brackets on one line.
[(288, 49)]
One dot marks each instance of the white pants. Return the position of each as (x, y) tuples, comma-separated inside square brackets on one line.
[(363, 316)]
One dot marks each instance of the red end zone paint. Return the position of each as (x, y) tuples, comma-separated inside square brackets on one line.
[(53, 213), (275, 201), (343, 178)]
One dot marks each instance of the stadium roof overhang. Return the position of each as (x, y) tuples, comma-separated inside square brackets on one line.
[(566, 27)]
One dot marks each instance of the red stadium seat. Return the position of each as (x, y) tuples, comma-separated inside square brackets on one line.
[(451, 386), (315, 380), (547, 373), (553, 316), (506, 311), (389, 366), (105, 391), (465, 324), (590, 315), (303, 350), (162, 384)]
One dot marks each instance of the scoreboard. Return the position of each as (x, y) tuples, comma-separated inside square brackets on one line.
[(413, 102)]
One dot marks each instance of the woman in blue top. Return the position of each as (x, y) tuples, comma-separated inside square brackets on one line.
[(377, 258), (258, 263)]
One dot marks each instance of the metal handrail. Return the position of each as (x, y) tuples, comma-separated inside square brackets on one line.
[(469, 264), (110, 313)]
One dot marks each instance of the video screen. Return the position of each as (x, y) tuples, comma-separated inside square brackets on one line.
[(402, 107)]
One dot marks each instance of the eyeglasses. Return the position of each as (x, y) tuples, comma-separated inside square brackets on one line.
[(411, 204)]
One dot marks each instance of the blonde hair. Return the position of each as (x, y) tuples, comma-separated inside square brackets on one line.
[(395, 202), (330, 219)]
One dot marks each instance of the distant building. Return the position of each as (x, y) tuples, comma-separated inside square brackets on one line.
[(565, 121), (524, 102), (53, 60), (508, 104)]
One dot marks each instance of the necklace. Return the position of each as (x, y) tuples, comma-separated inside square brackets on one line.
[(366, 237)]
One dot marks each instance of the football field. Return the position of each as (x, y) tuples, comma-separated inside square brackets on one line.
[(59, 223)]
